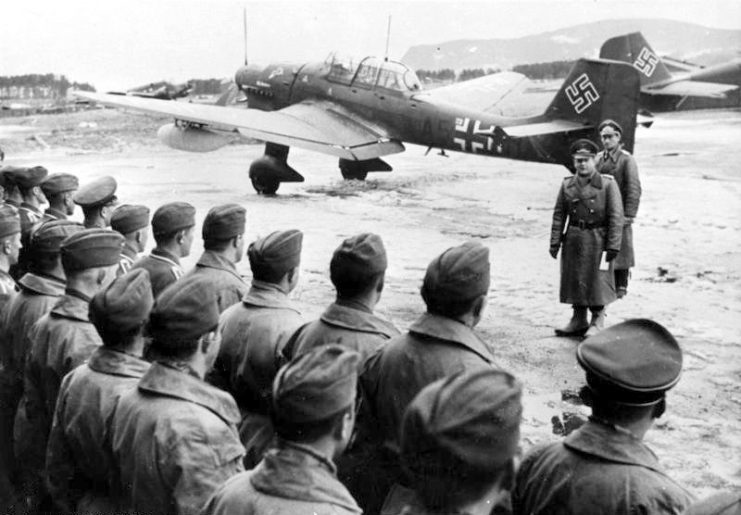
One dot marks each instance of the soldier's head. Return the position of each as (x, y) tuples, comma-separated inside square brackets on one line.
[(583, 152), (611, 134), (457, 283), (59, 188), (120, 310), (459, 437), (45, 245), (223, 231), (11, 193), (184, 324), (10, 236), (28, 181), (172, 227), (276, 258), (358, 268), (132, 221), (314, 397), (90, 259), (97, 200), (629, 368)]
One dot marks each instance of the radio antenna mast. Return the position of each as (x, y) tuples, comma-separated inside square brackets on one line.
[(388, 39), (244, 31)]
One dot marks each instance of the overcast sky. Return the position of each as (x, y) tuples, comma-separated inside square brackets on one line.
[(124, 43)]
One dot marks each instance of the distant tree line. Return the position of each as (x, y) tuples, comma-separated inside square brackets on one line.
[(545, 71), (449, 75), (36, 85)]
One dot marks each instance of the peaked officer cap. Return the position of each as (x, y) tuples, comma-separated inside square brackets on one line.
[(100, 192), (583, 147)]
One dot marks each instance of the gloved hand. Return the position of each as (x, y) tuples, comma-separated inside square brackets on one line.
[(611, 254), (554, 252)]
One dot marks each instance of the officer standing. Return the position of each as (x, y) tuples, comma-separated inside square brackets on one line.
[(588, 227), (617, 162), (97, 200), (357, 271), (133, 224), (60, 341), (78, 460), (298, 475), (459, 438), (172, 228), (223, 244), (175, 436), (59, 189), (254, 332), (604, 466), (40, 288), (441, 342)]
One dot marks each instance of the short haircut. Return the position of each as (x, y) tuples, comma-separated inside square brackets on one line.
[(446, 307), (162, 238), (266, 273), (305, 432), (217, 245), (350, 282), (114, 338), (173, 349), (43, 261)]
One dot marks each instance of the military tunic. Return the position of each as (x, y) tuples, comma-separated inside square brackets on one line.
[(434, 347), (598, 469), (30, 218), (38, 294), (8, 397), (222, 273), (60, 341), (164, 269), (175, 441), (592, 217), (350, 325), (128, 257), (51, 214), (79, 462), (291, 479), (622, 167), (404, 501)]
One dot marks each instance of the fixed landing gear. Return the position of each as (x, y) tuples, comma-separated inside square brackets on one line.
[(358, 170), (267, 172)]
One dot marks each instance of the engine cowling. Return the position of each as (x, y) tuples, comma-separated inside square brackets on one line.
[(191, 139)]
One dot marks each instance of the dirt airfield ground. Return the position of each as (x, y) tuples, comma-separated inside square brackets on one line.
[(688, 241)]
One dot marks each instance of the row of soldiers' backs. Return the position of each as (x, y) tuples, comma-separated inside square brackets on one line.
[(110, 420)]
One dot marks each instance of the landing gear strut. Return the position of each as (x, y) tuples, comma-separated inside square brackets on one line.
[(267, 172), (358, 170)]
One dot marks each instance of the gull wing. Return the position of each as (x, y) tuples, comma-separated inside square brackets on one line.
[(320, 126)]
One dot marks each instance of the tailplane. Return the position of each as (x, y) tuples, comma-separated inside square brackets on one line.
[(634, 49), (597, 89)]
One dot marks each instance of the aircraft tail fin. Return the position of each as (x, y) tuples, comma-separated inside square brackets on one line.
[(597, 89), (634, 49)]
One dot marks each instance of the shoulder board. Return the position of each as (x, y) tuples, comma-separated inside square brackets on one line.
[(567, 178), (624, 151), (607, 176)]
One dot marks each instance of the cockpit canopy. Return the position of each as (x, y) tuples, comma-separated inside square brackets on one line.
[(372, 72)]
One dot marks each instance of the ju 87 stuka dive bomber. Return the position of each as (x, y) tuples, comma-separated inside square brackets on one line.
[(360, 112)]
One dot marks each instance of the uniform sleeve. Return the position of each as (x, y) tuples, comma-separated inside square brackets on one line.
[(614, 210), (60, 469), (559, 219), (200, 463), (631, 188)]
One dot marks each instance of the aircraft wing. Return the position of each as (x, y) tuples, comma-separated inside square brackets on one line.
[(541, 128), (691, 88), (481, 94), (319, 126)]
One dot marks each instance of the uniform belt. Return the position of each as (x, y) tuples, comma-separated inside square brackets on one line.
[(583, 224)]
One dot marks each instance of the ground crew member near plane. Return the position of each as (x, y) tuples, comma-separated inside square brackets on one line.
[(172, 228), (97, 200), (175, 437), (78, 461), (223, 244), (28, 180), (618, 163), (459, 437), (604, 466), (59, 188), (40, 287), (254, 332), (357, 271), (298, 475), (10, 241), (441, 342), (133, 224), (587, 227), (63, 339)]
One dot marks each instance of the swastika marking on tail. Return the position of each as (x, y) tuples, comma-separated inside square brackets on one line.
[(582, 93), (646, 62)]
